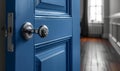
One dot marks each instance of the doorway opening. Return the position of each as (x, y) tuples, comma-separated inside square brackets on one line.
[(100, 49)]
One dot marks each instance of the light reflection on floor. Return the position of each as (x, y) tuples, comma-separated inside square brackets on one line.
[(98, 55)]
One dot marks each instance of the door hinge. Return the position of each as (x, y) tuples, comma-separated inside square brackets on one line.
[(9, 32)]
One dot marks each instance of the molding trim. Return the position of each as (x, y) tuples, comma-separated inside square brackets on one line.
[(114, 39), (116, 45)]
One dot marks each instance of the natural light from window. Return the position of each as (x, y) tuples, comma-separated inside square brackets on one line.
[(95, 11)]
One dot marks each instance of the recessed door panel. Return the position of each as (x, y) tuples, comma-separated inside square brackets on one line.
[(52, 5), (52, 58), (55, 2)]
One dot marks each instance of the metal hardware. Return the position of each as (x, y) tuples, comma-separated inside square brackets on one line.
[(9, 33), (27, 31), (43, 31)]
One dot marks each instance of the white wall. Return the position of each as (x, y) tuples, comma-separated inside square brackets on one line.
[(114, 6)]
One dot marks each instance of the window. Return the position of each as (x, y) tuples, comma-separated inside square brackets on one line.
[(95, 11)]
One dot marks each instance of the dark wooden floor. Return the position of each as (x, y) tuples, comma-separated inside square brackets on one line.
[(98, 55)]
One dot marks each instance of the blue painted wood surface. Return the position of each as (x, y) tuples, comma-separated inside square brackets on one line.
[(52, 59), (60, 5), (55, 2), (22, 58), (76, 35), (60, 50)]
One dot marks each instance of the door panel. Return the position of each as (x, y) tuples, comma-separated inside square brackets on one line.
[(54, 55), (51, 4), (60, 28), (53, 52), (53, 58)]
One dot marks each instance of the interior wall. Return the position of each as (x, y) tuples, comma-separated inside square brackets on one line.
[(114, 36), (106, 19), (2, 47), (114, 6), (114, 18), (81, 9)]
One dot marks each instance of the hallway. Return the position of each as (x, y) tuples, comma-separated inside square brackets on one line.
[(98, 55)]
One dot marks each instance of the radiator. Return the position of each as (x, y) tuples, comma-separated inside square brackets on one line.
[(95, 30)]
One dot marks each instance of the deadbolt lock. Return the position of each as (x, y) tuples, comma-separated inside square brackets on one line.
[(28, 31)]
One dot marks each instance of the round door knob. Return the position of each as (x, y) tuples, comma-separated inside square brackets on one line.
[(28, 30), (43, 31)]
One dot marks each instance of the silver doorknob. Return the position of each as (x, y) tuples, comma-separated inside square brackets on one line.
[(43, 31), (28, 31)]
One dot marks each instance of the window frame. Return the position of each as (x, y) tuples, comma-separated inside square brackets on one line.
[(102, 12)]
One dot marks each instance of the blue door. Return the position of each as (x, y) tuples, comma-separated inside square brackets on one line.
[(43, 35)]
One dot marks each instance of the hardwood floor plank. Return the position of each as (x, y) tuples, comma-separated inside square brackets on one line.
[(98, 55)]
